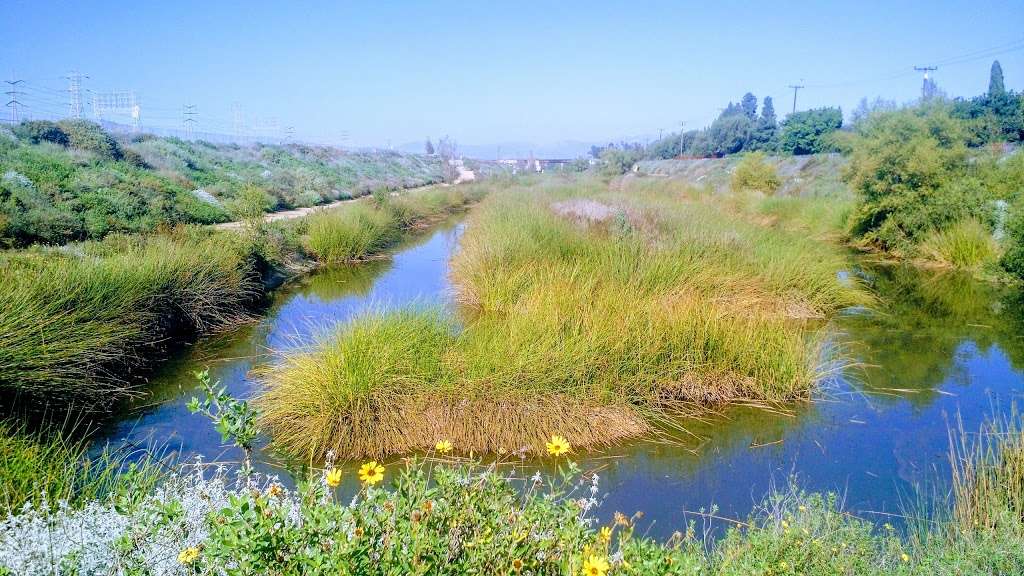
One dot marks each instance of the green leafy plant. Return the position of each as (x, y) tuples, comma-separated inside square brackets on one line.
[(236, 420)]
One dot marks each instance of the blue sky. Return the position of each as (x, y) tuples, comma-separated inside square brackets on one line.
[(488, 72)]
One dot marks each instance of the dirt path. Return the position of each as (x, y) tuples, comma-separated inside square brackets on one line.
[(300, 212)]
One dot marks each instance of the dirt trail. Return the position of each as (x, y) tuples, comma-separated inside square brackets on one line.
[(300, 212)]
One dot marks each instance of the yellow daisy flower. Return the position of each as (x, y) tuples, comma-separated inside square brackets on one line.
[(558, 446), (333, 477), (443, 447), (371, 473), (595, 566), (188, 555), (605, 534)]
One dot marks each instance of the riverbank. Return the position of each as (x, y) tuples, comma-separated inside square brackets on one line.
[(83, 323), (444, 515)]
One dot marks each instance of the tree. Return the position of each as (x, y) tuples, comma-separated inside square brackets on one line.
[(729, 134), (749, 105), (766, 128), (995, 80), (429, 147), (807, 132)]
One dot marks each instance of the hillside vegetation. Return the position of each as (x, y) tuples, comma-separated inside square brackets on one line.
[(70, 180)]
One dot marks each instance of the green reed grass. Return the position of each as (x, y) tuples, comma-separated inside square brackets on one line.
[(967, 245), (367, 227), (72, 324), (593, 328), (55, 466)]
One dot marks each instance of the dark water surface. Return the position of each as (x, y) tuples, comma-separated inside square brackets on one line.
[(935, 348)]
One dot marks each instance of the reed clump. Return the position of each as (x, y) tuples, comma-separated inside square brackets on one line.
[(47, 468), (988, 476), (74, 323), (583, 312), (362, 230)]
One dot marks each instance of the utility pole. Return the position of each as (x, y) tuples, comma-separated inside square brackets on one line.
[(188, 119), (796, 88), (289, 133), (682, 124), (14, 93), (927, 86), (74, 79)]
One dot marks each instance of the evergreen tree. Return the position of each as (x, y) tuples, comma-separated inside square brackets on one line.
[(995, 80), (768, 112), (766, 128), (749, 105)]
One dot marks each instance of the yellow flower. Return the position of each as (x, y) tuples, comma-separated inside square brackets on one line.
[(595, 566), (558, 446), (802, 508), (333, 477), (371, 473), (188, 555), (275, 490), (905, 557), (783, 565), (517, 565), (443, 447), (605, 534)]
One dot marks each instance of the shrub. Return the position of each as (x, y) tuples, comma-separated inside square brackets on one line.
[(754, 173), (36, 131), (1013, 258), (90, 137), (809, 131), (911, 171)]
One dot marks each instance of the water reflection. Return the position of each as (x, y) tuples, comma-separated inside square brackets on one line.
[(938, 344)]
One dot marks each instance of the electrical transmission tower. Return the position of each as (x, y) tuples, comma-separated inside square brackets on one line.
[(796, 88), (13, 93), (289, 133), (74, 79), (188, 119), (236, 121)]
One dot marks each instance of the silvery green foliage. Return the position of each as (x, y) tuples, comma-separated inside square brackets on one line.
[(13, 178), (101, 539)]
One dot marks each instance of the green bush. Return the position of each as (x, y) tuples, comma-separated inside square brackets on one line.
[(754, 173), (809, 131), (913, 174), (36, 131), (90, 137), (1013, 258)]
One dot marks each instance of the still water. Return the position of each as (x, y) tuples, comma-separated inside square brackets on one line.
[(937, 348)]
